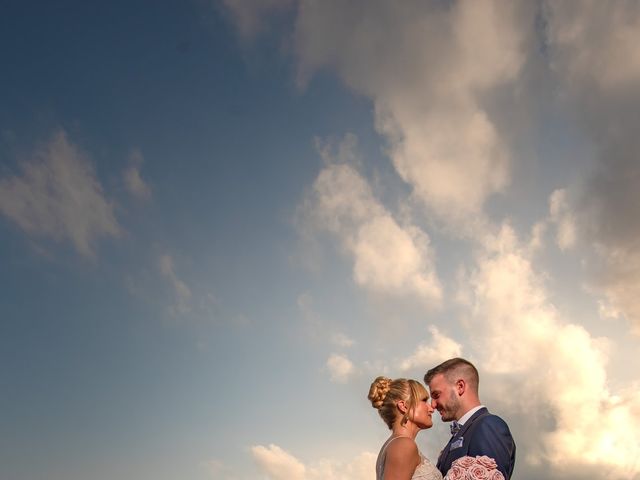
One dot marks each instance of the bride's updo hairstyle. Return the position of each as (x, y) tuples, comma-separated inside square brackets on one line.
[(385, 393)]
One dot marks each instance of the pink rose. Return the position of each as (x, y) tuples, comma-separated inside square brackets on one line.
[(465, 462), (488, 463), (496, 475), (455, 473), (477, 472)]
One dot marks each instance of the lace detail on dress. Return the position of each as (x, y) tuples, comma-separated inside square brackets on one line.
[(424, 471)]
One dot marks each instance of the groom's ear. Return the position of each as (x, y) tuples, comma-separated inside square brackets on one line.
[(461, 387)]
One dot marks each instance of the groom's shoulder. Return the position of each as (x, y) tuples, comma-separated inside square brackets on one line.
[(492, 417), (493, 422), (483, 415)]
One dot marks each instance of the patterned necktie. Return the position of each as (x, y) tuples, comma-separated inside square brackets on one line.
[(455, 427)]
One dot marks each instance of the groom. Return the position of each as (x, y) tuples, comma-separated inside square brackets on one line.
[(454, 393)]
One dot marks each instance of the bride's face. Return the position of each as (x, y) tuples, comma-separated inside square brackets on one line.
[(422, 413)]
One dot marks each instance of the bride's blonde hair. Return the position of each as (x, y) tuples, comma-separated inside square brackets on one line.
[(384, 393)]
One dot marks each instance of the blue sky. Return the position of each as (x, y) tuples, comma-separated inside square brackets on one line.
[(219, 221)]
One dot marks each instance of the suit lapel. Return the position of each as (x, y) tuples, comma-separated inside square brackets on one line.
[(480, 413), (445, 452)]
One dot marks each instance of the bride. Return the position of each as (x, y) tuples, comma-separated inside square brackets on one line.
[(405, 408)]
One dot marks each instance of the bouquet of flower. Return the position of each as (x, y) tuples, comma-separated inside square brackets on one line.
[(474, 468)]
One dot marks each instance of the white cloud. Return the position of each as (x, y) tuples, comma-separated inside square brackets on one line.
[(596, 42), (388, 258), (180, 288), (279, 464), (362, 467), (340, 368), (342, 340), (606, 311), (593, 50), (619, 281), (59, 196), (391, 258), (537, 236), (547, 367), (132, 179), (453, 159), (432, 353), (562, 216), (426, 67)]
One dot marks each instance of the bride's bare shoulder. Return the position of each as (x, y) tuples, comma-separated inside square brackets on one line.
[(402, 449)]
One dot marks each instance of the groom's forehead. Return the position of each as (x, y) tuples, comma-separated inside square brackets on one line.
[(437, 382)]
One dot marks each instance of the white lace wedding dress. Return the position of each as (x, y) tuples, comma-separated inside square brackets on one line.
[(424, 471)]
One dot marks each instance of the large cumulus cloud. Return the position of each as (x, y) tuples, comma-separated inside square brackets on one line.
[(58, 195), (594, 53), (426, 67), (389, 258), (278, 464), (549, 372)]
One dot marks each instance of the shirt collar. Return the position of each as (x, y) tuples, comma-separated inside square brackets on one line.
[(469, 414)]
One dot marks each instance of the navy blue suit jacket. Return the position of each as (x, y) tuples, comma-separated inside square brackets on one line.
[(482, 434)]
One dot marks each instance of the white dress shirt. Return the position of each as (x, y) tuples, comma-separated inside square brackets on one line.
[(469, 414)]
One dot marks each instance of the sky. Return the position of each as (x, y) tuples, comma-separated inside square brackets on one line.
[(221, 220)]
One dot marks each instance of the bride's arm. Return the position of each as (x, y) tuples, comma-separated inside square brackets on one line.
[(402, 459)]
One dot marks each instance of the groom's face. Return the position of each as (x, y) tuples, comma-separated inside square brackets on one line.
[(444, 398)]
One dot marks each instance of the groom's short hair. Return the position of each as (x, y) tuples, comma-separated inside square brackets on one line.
[(453, 369)]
